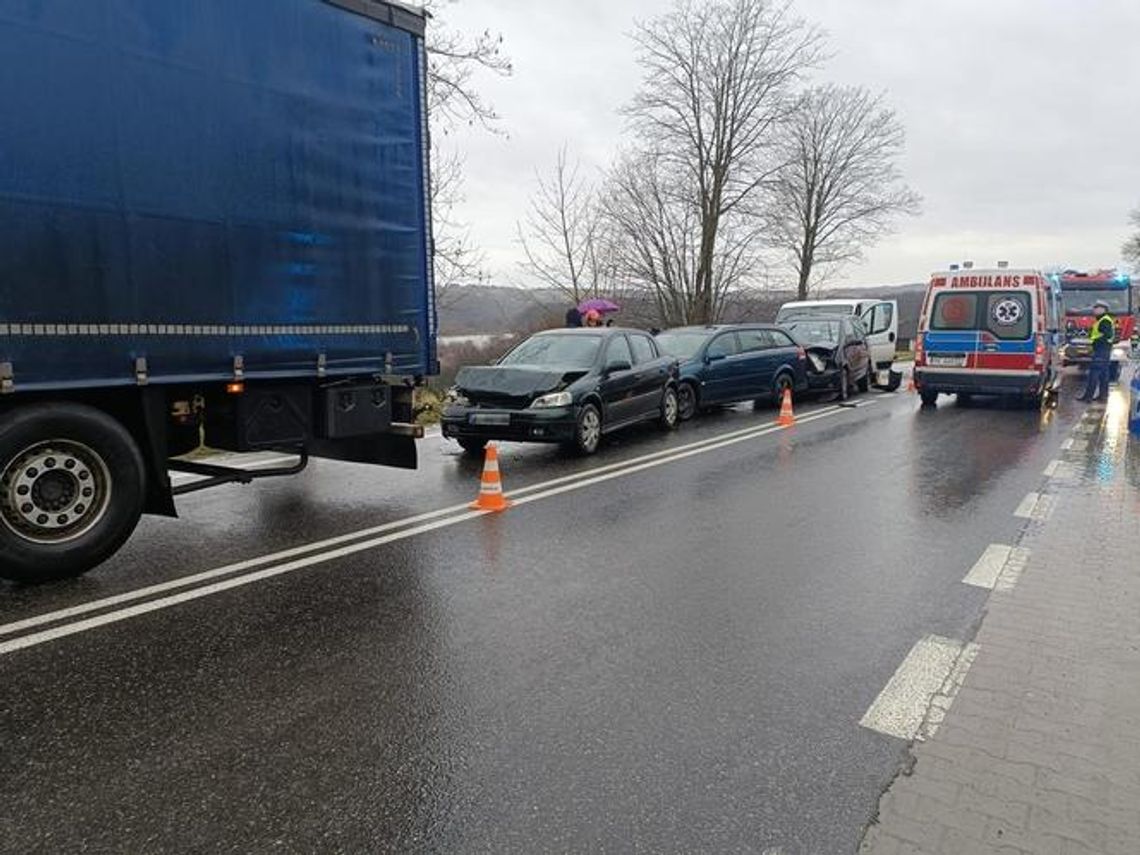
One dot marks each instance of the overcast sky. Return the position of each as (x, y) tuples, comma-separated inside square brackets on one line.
[(1022, 118)]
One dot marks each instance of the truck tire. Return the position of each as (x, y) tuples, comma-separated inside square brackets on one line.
[(72, 487)]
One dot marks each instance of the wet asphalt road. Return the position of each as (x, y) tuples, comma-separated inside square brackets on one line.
[(674, 659)]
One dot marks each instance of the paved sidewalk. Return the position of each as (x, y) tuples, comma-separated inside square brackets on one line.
[(1040, 750)]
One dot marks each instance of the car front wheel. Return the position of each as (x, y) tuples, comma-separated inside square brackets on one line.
[(474, 447), (686, 401), (588, 431), (670, 409)]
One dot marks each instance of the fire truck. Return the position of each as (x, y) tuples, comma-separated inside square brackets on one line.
[(1079, 291)]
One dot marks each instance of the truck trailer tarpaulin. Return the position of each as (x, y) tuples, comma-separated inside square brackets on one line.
[(214, 220)]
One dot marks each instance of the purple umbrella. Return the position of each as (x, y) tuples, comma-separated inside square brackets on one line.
[(602, 307)]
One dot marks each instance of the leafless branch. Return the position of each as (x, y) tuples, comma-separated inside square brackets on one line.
[(1132, 245), (718, 81), (562, 236), (839, 188)]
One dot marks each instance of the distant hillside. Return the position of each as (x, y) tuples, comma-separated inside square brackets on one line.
[(486, 310)]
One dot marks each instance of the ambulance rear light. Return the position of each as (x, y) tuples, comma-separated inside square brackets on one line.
[(1002, 265), (1039, 350), (919, 349), (967, 265), (953, 266), (801, 354)]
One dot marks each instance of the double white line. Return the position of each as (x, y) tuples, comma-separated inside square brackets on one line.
[(130, 604)]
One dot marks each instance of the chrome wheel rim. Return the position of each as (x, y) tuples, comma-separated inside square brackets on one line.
[(54, 491), (671, 407), (591, 429)]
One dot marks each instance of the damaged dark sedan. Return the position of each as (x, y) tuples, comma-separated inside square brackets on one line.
[(569, 386), (838, 356)]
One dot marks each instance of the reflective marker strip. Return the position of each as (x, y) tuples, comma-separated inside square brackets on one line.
[(59, 330)]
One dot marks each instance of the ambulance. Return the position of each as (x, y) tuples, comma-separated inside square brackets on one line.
[(989, 332)]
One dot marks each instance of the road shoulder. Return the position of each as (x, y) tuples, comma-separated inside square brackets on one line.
[(1040, 752)]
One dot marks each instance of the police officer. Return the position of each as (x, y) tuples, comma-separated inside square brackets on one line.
[(1101, 336)]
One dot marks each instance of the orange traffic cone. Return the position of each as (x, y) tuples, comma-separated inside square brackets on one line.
[(787, 418), (491, 496)]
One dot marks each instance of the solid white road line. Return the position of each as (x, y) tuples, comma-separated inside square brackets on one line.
[(582, 480), (1051, 469), (1067, 444), (332, 542), (1025, 509), (999, 568), (902, 706)]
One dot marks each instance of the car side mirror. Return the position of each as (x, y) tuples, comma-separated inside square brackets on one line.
[(891, 338), (618, 365)]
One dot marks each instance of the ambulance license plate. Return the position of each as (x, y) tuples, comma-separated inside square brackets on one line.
[(948, 361)]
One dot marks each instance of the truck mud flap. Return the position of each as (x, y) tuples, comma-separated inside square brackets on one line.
[(382, 450)]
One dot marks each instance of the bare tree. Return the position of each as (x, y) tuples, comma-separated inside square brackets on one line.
[(562, 234), (656, 242), (718, 76), (1132, 245), (458, 262), (453, 60), (840, 188)]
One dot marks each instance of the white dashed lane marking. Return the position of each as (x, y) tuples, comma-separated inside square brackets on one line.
[(920, 692), (999, 568), (1025, 509)]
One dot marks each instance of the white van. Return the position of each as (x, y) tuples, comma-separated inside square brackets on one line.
[(880, 317)]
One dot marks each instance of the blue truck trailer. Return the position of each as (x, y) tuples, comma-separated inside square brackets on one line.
[(214, 226)]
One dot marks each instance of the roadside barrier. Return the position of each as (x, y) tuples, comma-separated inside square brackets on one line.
[(491, 496)]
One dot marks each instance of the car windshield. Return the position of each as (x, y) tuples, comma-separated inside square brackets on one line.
[(1080, 302), (681, 343), (572, 351), (789, 312), (817, 332)]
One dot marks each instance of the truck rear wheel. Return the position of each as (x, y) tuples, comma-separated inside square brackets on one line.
[(72, 486)]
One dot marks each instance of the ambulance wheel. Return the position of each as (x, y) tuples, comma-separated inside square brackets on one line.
[(72, 487), (929, 399)]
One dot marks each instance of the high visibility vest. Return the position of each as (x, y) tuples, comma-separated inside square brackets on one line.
[(1097, 332)]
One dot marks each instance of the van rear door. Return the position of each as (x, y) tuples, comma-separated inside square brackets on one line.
[(882, 323), (1006, 342), (985, 330)]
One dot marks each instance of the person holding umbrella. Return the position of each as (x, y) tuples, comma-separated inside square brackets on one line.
[(593, 318)]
